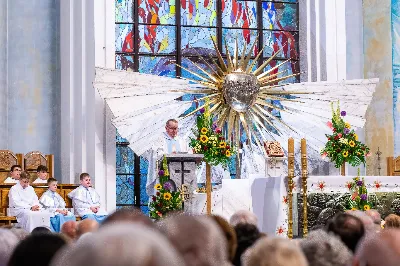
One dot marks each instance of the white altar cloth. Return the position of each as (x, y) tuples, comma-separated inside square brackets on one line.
[(267, 196)]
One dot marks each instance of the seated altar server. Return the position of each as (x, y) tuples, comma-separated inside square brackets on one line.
[(24, 204), (14, 174), (41, 175), (55, 204), (86, 201)]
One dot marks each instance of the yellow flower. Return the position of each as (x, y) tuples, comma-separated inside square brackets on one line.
[(347, 125), (353, 209), (355, 136), (203, 138), (228, 153), (204, 130), (345, 153), (222, 145), (167, 196), (352, 143), (366, 208), (158, 186)]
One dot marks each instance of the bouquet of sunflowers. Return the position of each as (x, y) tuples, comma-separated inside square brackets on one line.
[(359, 195), (166, 199), (209, 141), (343, 145)]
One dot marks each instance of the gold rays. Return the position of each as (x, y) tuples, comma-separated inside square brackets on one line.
[(256, 117)]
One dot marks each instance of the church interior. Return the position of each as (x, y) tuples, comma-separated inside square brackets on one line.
[(256, 126)]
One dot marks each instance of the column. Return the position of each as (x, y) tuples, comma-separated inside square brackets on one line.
[(396, 73), (3, 75)]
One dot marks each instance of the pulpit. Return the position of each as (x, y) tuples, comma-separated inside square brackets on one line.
[(182, 170)]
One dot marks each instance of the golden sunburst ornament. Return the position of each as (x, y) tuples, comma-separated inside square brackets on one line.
[(237, 95)]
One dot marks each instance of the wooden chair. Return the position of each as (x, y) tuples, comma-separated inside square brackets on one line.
[(393, 166), (35, 158), (8, 159)]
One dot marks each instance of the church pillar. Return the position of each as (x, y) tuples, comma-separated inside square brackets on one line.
[(88, 138), (3, 74)]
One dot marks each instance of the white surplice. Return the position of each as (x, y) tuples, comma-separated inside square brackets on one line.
[(21, 201), (52, 201), (40, 181), (10, 180), (84, 198), (165, 144)]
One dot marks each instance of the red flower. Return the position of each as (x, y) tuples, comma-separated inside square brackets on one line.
[(336, 137), (205, 148), (329, 138), (158, 193), (340, 135), (363, 148), (334, 130), (154, 198), (218, 130)]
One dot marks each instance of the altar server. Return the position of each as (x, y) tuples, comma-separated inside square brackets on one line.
[(55, 204), (41, 175), (14, 174), (86, 201), (24, 204)]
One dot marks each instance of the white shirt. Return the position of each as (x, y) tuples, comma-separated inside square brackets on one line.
[(40, 181), (11, 180), (52, 201), (21, 199), (84, 198)]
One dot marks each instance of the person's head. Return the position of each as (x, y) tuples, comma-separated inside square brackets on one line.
[(85, 180), (16, 170), (365, 219), (229, 233), (172, 127), (69, 229), (126, 244), (379, 249), (20, 233), (242, 217), (273, 252), (24, 179), (41, 230), (8, 241), (349, 228), (132, 215), (197, 238), (247, 234), (52, 184), (392, 221), (86, 226), (324, 249), (36, 250), (42, 172)]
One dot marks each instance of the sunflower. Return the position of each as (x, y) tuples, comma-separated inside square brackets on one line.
[(345, 153), (366, 208), (353, 209), (204, 130), (228, 153), (222, 145), (158, 186), (167, 196), (355, 136), (352, 143), (347, 125), (203, 138)]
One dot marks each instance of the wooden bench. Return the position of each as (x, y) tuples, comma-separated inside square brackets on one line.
[(63, 190)]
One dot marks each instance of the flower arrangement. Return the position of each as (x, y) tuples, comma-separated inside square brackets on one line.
[(209, 141), (359, 195), (343, 145), (166, 199)]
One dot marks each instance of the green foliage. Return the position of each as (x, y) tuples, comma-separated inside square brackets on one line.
[(358, 199)]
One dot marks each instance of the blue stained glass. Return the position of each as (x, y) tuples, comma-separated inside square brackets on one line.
[(199, 13), (156, 12), (241, 14), (125, 189), (145, 209), (232, 166), (120, 139), (193, 38), (187, 62), (275, 40), (162, 66), (125, 160), (279, 16), (124, 11), (144, 198), (243, 36), (288, 68), (124, 62), (123, 38), (156, 39)]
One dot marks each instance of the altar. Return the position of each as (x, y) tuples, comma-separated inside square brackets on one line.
[(326, 195)]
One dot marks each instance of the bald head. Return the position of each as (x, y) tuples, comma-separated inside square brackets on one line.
[(243, 217), (69, 229), (87, 226)]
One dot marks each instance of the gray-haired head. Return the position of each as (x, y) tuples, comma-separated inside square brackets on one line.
[(365, 219), (198, 239), (324, 249), (8, 241), (20, 233), (124, 244), (274, 252), (243, 216)]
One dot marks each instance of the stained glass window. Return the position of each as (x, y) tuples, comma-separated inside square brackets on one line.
[(153, 36)]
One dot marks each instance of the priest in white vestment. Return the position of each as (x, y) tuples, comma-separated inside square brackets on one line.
[(14, 174), (86, 201), (24, 204), (55, 204), (41, 175)]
